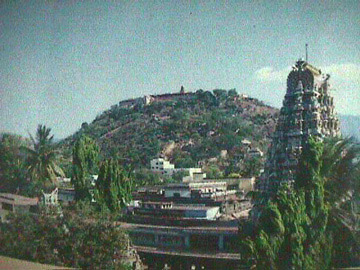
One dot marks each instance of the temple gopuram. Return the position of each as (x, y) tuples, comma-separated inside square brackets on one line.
[(308, 110)]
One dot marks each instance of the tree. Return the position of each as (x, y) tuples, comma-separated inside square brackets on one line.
[(341, 171), (85, 159), (68, 239), (41, 158), (251, 167), (113, 187), (179, 175), (291, 232), (233, 93), (213, 171), (144, 177), (12, 164), (207, 97), (220, 94)]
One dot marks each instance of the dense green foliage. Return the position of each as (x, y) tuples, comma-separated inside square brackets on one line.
[(85, 160), (70, 240), (185, 129), (28, 167), (41, 158), (316, 225), (341, 171), (113, 187), (292, 229), (12, 165)]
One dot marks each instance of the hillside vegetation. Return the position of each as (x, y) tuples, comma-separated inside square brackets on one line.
[(189, 129)]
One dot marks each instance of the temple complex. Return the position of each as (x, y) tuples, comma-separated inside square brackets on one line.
[(308, 110)]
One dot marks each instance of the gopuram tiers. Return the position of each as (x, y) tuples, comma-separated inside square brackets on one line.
[(308, 110)]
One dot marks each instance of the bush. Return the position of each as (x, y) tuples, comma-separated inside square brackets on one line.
[(67, 240)]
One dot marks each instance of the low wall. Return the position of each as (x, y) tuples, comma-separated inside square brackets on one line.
[(179, 222)]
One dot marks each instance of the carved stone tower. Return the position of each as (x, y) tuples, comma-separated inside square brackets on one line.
[(307, 110)]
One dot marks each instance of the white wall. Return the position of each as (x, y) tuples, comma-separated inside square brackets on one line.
[(184, 193)]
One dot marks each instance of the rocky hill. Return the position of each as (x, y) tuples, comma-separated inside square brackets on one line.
[(200, 128)]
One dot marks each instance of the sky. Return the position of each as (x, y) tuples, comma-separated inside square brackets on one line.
[(64, 62)]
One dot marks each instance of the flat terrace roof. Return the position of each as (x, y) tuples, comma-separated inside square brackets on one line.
[(174, 252), (17, 199), (181, 206), (134, 226), (192, 207), (206, 183)]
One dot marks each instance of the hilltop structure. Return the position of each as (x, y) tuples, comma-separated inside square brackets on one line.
[(308, 110)]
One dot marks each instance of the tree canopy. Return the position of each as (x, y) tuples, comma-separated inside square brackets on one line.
[(12, 164), (85, 162), (291, 231), (41, 157), (114, 186), (70, 240)]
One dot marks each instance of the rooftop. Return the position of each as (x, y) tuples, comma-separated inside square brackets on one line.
[(192, 207), (185, 253), (182, 206), (216, 229), (17, 199), (195, 184)]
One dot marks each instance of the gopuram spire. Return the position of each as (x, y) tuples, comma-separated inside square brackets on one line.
[(307, 110)]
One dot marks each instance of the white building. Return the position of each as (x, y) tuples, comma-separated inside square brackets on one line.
[(93, 179), (160, 165), (185, 211), (195, 189), (50, 198), (195, 175), (63, 180)]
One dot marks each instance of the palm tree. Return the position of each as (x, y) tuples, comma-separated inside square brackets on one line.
[(341, 171), (41, 158)]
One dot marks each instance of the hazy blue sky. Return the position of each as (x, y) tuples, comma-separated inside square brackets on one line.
[(63, 62)]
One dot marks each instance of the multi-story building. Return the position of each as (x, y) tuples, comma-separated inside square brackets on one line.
[(163, 166), (160, 165), (194, 222)]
